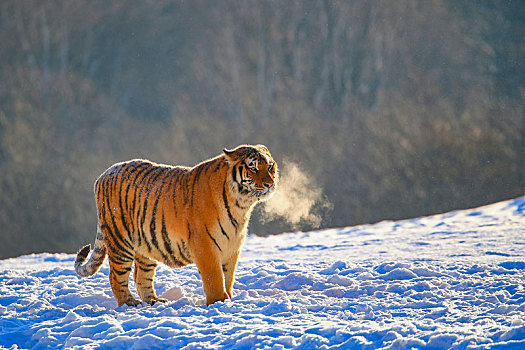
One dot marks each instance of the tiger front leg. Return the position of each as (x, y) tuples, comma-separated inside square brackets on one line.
[(229, 273), (210, 270)]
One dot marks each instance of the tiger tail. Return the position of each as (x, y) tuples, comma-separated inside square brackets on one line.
[(95, 261)]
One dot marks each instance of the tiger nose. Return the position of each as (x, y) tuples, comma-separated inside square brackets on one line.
[(268, 184)]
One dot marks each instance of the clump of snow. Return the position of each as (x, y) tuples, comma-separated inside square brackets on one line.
[(173, 294), (447, 281)]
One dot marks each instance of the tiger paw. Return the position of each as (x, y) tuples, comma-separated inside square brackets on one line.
[(131, 302), (153, 300), (212, 300)]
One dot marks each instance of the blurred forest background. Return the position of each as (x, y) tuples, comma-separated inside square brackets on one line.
[(394, 108)]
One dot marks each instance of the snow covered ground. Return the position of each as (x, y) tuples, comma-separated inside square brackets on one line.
[(448, 281)]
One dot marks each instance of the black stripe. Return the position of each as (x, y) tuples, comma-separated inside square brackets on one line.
[(131, 168), (167, 241), (139, 188), (115, 177), (234, 174), (145, 269), (209, 164), (131, 182), (98, 189), (179, 173), (120, 272), (167, 173), (153, 224), (185, 193), (122, 217), (213, 239), (145, 205), (146, 264), (169, 257), (113, 231), (189, 230), (240, 187), (137, 182), (118, 259), (103, 198), (227, 206), (116, 170), (238, 205), (142, 173), (113, 181), (183, 257), (121, 250), (107, 188), (174, 182), (198, 172), (186, 250), (219, 163), (146, 187), (130, 210), (115, 240), (222, 229)]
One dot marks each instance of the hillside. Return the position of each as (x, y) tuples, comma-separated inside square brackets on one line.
[(447, 281), (395, 109)]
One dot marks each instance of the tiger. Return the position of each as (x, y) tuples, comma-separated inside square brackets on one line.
[(151, 213)]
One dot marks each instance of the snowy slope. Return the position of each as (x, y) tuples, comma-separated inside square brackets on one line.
[(448, 281)]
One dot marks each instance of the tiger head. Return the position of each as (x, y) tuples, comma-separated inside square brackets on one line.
[(253, 170)]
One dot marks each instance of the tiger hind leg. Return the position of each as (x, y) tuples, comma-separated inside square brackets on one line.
[(144, 274), (119, 269)]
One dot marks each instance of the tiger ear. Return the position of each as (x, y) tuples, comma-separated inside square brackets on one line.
[(264, 148), (232, 155)]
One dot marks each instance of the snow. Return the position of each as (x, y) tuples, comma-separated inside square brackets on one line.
[(454, 280)]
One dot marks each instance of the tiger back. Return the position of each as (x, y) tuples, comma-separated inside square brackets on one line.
[(150, 213)]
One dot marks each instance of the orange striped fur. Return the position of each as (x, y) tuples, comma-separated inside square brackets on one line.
[(150, 213)]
